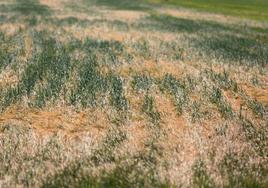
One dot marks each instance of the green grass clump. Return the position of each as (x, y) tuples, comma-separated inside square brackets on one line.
[(217, 98), (141, 83), (149, 109), (223, 80), (107, 52), (177, 89), (91, 87), (256, 136), (171, 51), (46, 74), (10, 96), (47, 70), (142, 48), (56, 60), (52, 67), (89, 84), (201, 178), (257, 107), (117, 98), (198, 112), (105, 153), (241, 50), (239, 174), (5, 55)]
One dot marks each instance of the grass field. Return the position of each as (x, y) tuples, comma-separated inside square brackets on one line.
[(98, 93)]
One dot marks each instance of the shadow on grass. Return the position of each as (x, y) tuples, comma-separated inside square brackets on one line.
[(213, 39), (69, 21), (26, 8), (135, 172), (121, 4), (167, 23), (234, 48)]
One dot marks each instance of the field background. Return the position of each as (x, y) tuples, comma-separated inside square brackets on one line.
[(105, 93), (243, 8)]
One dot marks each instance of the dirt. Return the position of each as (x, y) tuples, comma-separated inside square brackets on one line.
[(62, 119)]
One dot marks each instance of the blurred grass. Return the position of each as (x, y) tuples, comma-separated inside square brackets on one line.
[(26, 8), (253, 9)]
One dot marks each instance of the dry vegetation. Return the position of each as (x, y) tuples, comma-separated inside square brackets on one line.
[(111, 94)]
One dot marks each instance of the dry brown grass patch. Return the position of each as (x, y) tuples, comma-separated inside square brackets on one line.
[(137, 136), (8, 77), (156, 69), (10, 29), (259, 94), (54, 4), (28, 46), (180, 149), (235, 101), (136, 128), (58, 119), (124, 15), (103, 33)]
